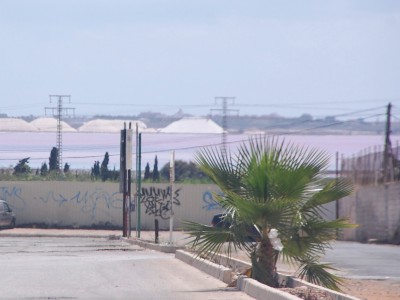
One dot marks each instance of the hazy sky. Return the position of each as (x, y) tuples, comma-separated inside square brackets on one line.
[(326, 57)]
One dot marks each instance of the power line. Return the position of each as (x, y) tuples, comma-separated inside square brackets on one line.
[(312, 103), (244, 140), (297, 122), (100, 147)]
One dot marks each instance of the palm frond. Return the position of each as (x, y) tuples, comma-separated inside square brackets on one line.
[(220, 167), (334, 190), (208, 239), (319, 274), (312, 237)]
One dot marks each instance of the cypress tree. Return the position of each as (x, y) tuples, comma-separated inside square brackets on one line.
[(104, 167), (53, 160), (147, 173), (156, 173)]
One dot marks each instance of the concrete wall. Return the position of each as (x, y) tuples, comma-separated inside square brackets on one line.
[(376, 209), (86, 204)]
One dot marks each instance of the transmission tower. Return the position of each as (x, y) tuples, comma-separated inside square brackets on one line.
[(225, 111), (59, 111)]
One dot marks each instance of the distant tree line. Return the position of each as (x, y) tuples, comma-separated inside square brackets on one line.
[(184, 171), (22, 169), (102, 172)]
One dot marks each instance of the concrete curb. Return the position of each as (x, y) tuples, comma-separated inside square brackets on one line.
[(166, 248), (240, 266), (222, 273), (295, 282), (261, 291), (247, 285), (60, 234)]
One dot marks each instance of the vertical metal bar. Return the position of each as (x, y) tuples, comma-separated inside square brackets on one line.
[(139, 184), (129, 203), (125, 210), (156, 231), (137, 180), (336, 183), (171, 181), (124, 193)]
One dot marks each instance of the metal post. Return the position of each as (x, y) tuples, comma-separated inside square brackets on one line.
[(387, 155), (336, 183), (129, 203), (124, 180), (139, 183), (156, 240), (137, 179), (171, 181), (125, 204)]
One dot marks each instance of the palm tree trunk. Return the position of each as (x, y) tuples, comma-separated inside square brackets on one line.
[(263, 262)]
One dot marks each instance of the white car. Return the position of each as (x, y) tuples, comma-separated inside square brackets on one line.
[(7, 217)]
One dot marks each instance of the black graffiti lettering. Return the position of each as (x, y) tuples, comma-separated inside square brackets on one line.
[(157, 201)]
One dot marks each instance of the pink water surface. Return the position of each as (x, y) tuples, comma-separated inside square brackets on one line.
[(81, 150)]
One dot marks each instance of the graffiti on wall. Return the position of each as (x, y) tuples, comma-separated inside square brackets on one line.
[(90, 202), (14, 193), (210, 202), (71, 204), (157, 201), (93, 202)]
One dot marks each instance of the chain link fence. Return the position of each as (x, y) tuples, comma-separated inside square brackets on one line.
[(372, 166)]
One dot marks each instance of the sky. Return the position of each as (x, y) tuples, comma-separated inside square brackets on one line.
[(122, 57)]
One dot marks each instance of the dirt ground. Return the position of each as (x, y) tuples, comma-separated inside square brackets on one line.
[(372, 289), (364, 289)]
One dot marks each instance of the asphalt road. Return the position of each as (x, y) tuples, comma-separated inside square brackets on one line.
[(99, 268), (365, 261)]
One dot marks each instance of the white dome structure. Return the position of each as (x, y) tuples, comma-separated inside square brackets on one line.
[(193, 125), (110, 126), (12, 124), (50, 125)]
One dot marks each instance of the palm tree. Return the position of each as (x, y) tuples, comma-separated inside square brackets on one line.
[(270, 187)]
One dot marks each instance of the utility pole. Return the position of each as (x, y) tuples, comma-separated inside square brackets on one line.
[(225, 111), (125, 178), (387, 155), (59, 111), (138, 180), (171, 183)]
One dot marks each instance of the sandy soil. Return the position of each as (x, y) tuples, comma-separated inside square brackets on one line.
[(363, 289), (372, 289)]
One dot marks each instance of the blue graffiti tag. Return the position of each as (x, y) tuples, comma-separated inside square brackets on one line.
[(13, 196), (89, 201), (211, 203)]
